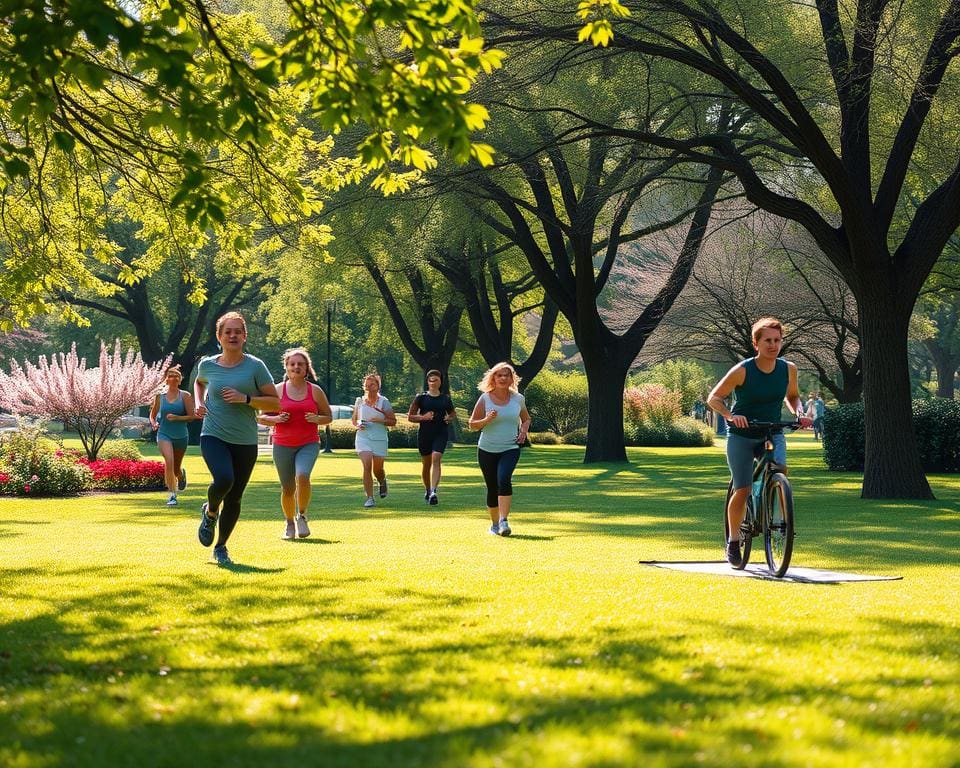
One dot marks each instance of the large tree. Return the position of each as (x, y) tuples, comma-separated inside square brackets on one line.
[(848, 95), (575, 205)]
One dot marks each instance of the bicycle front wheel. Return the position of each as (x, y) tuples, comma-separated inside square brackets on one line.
[(778, 524), (746, 537)]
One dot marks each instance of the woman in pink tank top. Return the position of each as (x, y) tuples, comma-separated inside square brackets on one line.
[(296, 440)]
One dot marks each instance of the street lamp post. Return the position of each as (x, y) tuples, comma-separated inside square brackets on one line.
[(331, 305)]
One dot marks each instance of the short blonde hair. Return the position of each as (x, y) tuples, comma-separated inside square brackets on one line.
[(762, 324), (373, 375), (487, 385), (231, 316)]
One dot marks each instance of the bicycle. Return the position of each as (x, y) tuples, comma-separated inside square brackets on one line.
[(769, 505)]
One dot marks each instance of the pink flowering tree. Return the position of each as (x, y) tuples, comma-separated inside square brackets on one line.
[(91, 400)]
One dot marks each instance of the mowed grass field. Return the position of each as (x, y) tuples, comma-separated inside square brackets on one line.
[(406, 635)]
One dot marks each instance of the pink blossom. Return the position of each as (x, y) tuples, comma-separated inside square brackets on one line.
[(34, 478), (92, 399), (4, 478)]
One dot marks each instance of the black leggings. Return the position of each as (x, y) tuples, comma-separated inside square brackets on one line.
[(497, 469), (231, 466)]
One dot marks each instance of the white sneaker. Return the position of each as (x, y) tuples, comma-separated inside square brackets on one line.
[(290, 532), (369, 502), (504, 528), (172, 501), (303, 530)]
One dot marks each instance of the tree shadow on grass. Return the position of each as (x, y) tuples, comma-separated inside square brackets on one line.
[(399, 700)]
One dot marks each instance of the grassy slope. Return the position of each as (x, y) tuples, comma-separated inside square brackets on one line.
[(407, 635)]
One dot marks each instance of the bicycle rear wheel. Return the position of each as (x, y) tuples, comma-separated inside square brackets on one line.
[(778, 524), (746, 540)]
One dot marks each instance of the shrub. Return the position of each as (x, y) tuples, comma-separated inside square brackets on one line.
[(686, 377), (461, 433), (32, 464), (342, 434), (843, 440), (557, 401), (403, 434), (124, 474), (683, 432), (575, 437), (120, 449), (936, 422), (651, 405), (543, 438)]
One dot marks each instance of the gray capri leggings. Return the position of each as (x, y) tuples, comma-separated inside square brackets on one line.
[(293, 461), (740, 456)]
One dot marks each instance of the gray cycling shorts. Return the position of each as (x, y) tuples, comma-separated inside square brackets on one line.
[(740, 456), (295, 461)]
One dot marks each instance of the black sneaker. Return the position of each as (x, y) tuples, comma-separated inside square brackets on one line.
[(733, 554), (382, 487), (433, 498), (208, 526), (182, 482), (220, 555)]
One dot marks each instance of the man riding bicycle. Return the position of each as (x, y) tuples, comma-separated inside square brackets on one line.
[(761, 385)]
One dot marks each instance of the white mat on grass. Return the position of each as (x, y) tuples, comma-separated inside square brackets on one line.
[(759, 571)]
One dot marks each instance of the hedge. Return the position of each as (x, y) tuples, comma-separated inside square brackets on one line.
[(936, 423), (684, 432)]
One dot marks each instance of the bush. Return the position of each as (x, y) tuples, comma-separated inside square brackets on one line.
[(32, 464), (686, 377), (575, 437), (342, 434), (557, 401), (650, 405), (543, 438), (683, 432), (461, 432), (935, 421), (403, 434), (123, 474), (120, 449)]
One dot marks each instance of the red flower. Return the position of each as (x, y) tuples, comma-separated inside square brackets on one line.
[(26, 488), (4, 478)]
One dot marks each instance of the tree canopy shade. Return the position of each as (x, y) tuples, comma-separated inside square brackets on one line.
[(847, 99), (197, 109)]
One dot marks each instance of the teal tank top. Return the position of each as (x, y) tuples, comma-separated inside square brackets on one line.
[(760, 397), (172, 430)]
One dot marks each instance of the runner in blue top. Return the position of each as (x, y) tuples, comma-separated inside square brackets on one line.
[(501, 415), (169, 415), (761, 384), (229, 389)]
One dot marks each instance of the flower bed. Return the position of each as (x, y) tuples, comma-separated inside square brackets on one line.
[(125, 474), (33, 463)]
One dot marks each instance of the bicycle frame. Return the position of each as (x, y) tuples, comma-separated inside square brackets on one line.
[(769, 508)]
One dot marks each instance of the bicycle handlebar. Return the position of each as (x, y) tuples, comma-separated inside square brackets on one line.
[(773, 424)]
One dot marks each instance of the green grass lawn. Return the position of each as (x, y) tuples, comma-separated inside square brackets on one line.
[(406, 635)]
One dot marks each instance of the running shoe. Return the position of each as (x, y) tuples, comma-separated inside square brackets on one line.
[(208, 525), (382, 487), (426, 495), (369, 502), (220, 555), (182, 482), (494, 530), (733, 553), (290, 532), (303, 530), (433, 498), (172, 501), (504, 528)]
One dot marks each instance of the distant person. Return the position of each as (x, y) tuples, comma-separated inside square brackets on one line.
[(501, 416), (296, 438), (372, 414), (762, 384), (169, 415), (433, 411), (819, 409), (229, 389)]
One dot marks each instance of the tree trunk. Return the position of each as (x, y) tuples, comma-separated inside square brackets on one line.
[(946, 366), (606, 379), (892, 468)]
